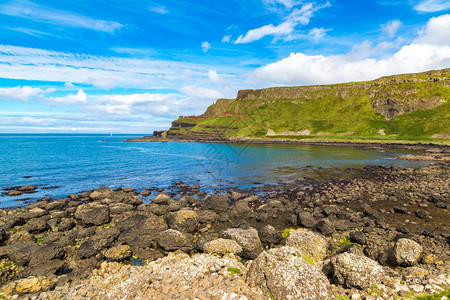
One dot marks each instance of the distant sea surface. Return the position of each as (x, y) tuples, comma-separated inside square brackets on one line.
[(60, 164)]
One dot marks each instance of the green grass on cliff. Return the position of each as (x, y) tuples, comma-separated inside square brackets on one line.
[(334, 112)]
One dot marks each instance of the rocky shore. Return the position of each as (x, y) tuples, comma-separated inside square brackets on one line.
[(378, 233)]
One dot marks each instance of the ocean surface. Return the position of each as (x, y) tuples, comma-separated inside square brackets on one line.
[(60, 164)]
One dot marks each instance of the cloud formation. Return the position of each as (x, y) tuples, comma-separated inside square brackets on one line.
[(432, 5), (430, 50), (295, 18), (391, 28), (32, 11), (20, 93), (206, 46)]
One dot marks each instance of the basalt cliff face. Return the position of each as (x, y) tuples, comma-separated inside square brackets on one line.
[(408, 106)]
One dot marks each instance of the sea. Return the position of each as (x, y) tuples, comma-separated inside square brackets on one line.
[(61, 164)]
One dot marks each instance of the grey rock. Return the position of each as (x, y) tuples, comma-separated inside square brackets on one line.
[(36, 225), (309, 243), (93, 214), (161, 198), (44, 269), (286, 275), (222, 247), (171, 240), (66, 224), (325, 227), (247, 239), (356, 271), (306, 219), (183, 220), (269, 235), (101, 193), (406, 252), (216, 203), (358, 237)]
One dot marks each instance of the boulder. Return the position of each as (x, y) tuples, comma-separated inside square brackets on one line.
[(126, 198), (406, 252), (141, 230), (222, 247), (325, 227), (36, 225), (2, 235), (44, 269), (269, 235), (358, 237), (93, 214), (117, 253), (161, 198), (216, 203), (66, 224), (355, 271), (248, 239), (287, 275), (207, 216), (183, 220), (21, 253), (309, 243), (46, 253), (171, 240), (101, 193), (306, 219)]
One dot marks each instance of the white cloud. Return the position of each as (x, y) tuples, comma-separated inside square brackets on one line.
[(80, 97), (104, 72), (159, 9), (69, 85), (432, 5), (20, 93), (431, 50), (29, 10), (436, 32), (206, 46), (391, 28), (297, 17), (200, 92), (318, 33), (226, 39)]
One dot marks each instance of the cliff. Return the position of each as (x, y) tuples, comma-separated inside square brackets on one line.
[(407, 106)]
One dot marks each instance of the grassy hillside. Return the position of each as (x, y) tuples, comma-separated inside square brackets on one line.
[(403, 107)]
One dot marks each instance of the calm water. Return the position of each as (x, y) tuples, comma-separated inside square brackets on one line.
[(75, 163)]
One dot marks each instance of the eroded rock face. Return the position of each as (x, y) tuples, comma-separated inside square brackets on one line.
[(390, 107), (407, 252), (358, 271), (308, 243), (248, 239), (287, 275)]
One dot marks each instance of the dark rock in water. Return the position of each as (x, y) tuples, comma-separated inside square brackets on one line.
[(306, 219), (171, 240), (145, 193), (44, 269), (400, 209), (247, 239), (66, 224), (46, 253), (93, 214), (358, 237), (36, 225), (216, 203), (161, 198), (325, 227), (101, 193), (269, 235), (15, 193), (27, 188)]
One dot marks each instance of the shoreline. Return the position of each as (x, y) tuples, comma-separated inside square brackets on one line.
[(68, 247)]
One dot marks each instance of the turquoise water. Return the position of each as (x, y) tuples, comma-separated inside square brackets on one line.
[(64, 164)]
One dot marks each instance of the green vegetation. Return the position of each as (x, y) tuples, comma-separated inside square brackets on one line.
[(410, 107), (309, 260), (286, 232), (270, 295), (436, 296), (234, 271)]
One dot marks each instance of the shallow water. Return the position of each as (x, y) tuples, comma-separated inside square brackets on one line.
[(68, 163)]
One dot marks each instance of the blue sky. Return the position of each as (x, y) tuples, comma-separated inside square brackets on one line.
[(103, 66)]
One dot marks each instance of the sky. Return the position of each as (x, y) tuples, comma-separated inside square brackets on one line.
[(115, 66)]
